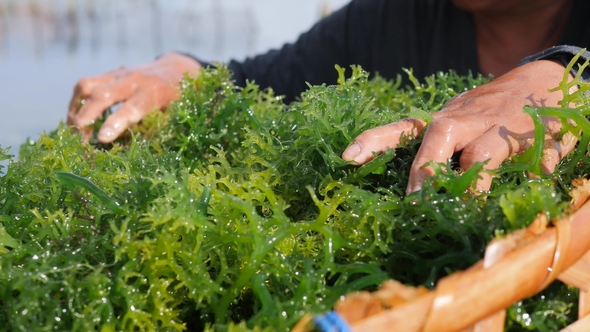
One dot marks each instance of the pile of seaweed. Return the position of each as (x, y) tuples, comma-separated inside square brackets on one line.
[(233, 211)]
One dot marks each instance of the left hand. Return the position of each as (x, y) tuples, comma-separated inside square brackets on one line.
[(140, 90), (486, 123)]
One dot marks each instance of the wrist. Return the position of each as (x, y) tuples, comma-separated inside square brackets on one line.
[(563, 54), (180, 62)]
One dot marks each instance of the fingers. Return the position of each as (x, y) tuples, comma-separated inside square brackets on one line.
[(83, 90), (142, 88), (556, 150), (380, 139), (448, 135), (493, 147), (439, 143), (466, 123), (130, 113), (101, 98), (444, 136)]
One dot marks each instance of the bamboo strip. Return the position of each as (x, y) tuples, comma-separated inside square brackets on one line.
[(582, 325), (584, 300), (578, 275), (584, 304), (493, 289), (518, 275), (403, 318)]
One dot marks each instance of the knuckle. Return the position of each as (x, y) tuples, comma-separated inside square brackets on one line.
[(101, 93), (489, 123), (474, 153), (133, 113), (84, 81), (442, 124), (83, 85), (370, 134), (75, 121), (461, 100), (552, 126), (137, 76)]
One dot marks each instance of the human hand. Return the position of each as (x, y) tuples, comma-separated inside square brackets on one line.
[(486, 124), (140, 89)]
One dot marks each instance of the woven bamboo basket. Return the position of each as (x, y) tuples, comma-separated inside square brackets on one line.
[(513, 268)]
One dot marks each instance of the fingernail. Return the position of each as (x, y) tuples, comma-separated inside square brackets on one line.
[(351, 152), (413, 188), (106, 133)]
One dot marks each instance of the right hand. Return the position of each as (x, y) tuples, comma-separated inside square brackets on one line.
[(486, 123), (140, 90)]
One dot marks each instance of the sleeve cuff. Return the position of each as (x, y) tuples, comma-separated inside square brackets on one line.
[(565, 54)]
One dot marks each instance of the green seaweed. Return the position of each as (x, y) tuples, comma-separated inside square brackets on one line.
[(233, 211), (73, 180)]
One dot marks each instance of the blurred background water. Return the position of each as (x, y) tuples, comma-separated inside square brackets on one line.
[(47, 45)]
